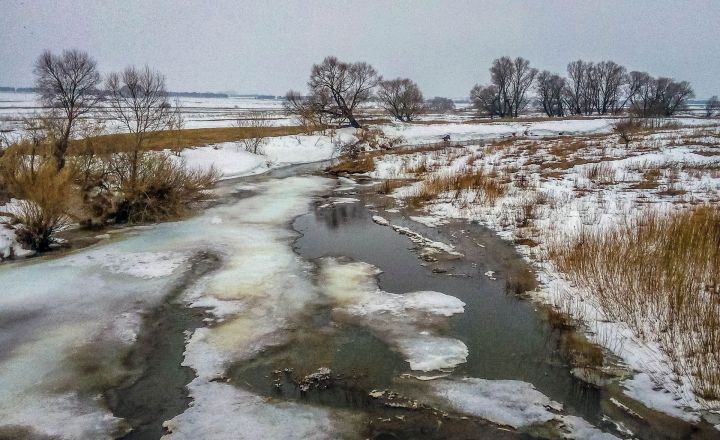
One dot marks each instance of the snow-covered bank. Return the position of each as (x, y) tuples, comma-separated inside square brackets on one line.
[(555, 188), (230, 159)]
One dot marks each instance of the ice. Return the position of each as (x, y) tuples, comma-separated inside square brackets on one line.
[(382, 221), (432, 353), (221, 411), (512, 403), (506, 402), (139, 264), (403, 321), (53, 309)]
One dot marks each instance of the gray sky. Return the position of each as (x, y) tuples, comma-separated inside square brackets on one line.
[(446, 46)]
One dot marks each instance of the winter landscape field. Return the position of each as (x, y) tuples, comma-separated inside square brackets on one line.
[(359, 246)]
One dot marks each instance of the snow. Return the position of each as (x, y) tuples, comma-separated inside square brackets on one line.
[(221, 411), (418, 133), (506, 402), (404, 321), (231, 160), (9, 247), (511, 403)]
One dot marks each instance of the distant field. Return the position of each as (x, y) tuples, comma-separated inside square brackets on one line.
[(189, 137)]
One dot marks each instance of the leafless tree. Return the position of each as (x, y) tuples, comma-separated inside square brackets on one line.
[(440, 105), (610, 78), (550, 87), (137, 99), (67, 84), (513, 78), (522, 79), (673, 95), (501, 75), (643, 94), (486, 99), (658, 96), (336, 90), (255, 124), (576, 86), (712, 106), (402, 98)]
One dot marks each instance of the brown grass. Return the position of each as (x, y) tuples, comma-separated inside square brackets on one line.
[(488, 189), (46, 196), (661, 275), (176, 139), (363, 164)]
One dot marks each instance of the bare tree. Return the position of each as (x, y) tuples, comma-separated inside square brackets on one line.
[(255, 124), (67, 84), (610, 78), (336, 90), (712, 106), (440, 105), (673, 95), (658, 96), (643, 95), (486, 99), (550, 88), (522, 79), (137, 99), (576, 86), (513, 78), (501, 74), (402, 98)]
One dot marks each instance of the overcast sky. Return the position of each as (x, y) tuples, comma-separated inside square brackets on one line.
[(446, 46)]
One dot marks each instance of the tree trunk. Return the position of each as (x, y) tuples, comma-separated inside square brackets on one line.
[(59, 153), (353, 122)]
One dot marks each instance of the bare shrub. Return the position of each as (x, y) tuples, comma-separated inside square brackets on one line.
[(627, 129), (257, 125), (712, 107), (659, 273), (165, 188), (43, 209)]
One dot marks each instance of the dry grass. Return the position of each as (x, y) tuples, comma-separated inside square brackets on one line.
[(661, 275), (46, 197), (487, 189), (363, 164), (601, 173), (178, 139)]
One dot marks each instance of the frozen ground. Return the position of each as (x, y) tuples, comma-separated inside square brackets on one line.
[(555, 190)]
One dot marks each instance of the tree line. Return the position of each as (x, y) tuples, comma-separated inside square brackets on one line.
[(337, 90), (589, 88)]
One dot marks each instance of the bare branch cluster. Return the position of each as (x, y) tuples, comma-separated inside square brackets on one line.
[(402, 98)]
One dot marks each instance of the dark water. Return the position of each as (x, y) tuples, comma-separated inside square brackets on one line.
[(507, 338)]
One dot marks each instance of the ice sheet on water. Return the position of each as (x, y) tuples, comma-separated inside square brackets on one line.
[(403, 321), (221, 411), (58, 307), (512, 403)]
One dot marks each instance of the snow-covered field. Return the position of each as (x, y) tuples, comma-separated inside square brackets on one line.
[(554, 190)]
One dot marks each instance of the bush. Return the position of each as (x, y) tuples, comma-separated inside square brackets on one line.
[(45, 199), (164, 188), (627, 129)]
